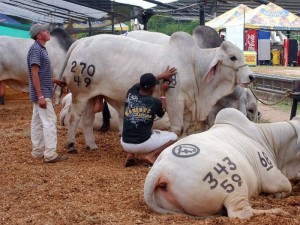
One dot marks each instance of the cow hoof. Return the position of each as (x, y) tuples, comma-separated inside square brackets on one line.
[(104, 129), (72, 151), (281, 195), (71, 148), (89, 149)]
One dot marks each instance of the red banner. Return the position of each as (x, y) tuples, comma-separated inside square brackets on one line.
[(285, 60), (250, 40)]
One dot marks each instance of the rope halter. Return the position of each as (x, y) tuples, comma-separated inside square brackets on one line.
[(234, 68)]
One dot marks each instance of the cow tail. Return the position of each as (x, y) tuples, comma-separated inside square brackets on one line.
[(67, 59), (150, 187), (105, 118)]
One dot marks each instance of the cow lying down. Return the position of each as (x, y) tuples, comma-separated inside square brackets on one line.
[(204, 173)]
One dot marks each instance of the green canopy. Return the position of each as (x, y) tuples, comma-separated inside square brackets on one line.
[(11, 30)]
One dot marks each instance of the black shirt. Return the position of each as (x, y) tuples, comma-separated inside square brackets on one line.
[(139, 114)]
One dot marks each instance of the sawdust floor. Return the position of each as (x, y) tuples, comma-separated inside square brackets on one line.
[(89, 188)]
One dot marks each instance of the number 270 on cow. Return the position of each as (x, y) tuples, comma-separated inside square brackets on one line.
[(85, 69)]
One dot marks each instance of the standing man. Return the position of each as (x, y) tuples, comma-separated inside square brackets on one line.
[(139, 114), (43, 123)]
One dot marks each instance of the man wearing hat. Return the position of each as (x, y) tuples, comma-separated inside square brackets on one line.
[(139, 114), (43, 123)]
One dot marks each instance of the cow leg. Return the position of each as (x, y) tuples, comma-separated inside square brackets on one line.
[(176, 118), (247, 212), (280, 187), (120, 123), (77, 110), (187, 118), (239, 207), (57, 94), (87, 122)]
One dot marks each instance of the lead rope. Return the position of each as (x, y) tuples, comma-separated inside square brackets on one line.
[(288, 93)]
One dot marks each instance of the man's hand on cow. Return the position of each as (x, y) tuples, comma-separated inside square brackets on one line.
[(60, 83), (166, 75)]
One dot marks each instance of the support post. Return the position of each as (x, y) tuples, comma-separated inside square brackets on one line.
[(201, 13), (296, 98)]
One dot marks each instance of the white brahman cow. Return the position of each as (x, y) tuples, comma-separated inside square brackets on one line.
[(241, 99), (64, 117), (13, 58), (206, 37), (109, 65), (234, 160)]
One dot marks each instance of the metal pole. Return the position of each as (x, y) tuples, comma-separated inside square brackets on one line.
[(201, 13), (90, 27), (112, 18), (244, 38)]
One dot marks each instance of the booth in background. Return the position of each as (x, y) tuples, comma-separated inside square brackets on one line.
[(251, 58), (250, 40), (275, 57), (264, 47), (290, 52)]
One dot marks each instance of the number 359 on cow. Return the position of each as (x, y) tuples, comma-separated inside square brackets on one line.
[(228, 181)]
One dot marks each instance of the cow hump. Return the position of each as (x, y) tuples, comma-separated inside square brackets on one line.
[(182, 39)]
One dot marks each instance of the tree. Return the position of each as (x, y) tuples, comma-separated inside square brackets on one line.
[(168, 25)]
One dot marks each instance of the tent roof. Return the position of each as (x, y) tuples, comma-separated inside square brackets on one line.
[(269, 17), (231, 15), (13, 32), (61, 11), (6, 19)]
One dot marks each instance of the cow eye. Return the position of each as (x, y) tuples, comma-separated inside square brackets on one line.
[(232, 58)]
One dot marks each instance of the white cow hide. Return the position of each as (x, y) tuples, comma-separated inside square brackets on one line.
[(225, 166), (13, 58), (200, 72), (206, 37)]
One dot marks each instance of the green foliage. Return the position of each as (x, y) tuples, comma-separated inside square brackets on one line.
[(285, 106), (168, 25)]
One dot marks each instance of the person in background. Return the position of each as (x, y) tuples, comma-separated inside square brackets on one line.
[(141, 107), (43, 123)]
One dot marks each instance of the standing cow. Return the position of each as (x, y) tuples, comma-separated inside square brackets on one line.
[(13, 56), (206, 37), (223, 167), (108, 65)]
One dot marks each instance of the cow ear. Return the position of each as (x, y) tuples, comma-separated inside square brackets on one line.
[(212, 71)]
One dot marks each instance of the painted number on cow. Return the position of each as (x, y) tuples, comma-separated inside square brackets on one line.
[(172, 81), (230, 179), (265, 161), (84, 69)]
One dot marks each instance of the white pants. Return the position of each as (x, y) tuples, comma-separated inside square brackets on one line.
[(157, 139), (43, 131)]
